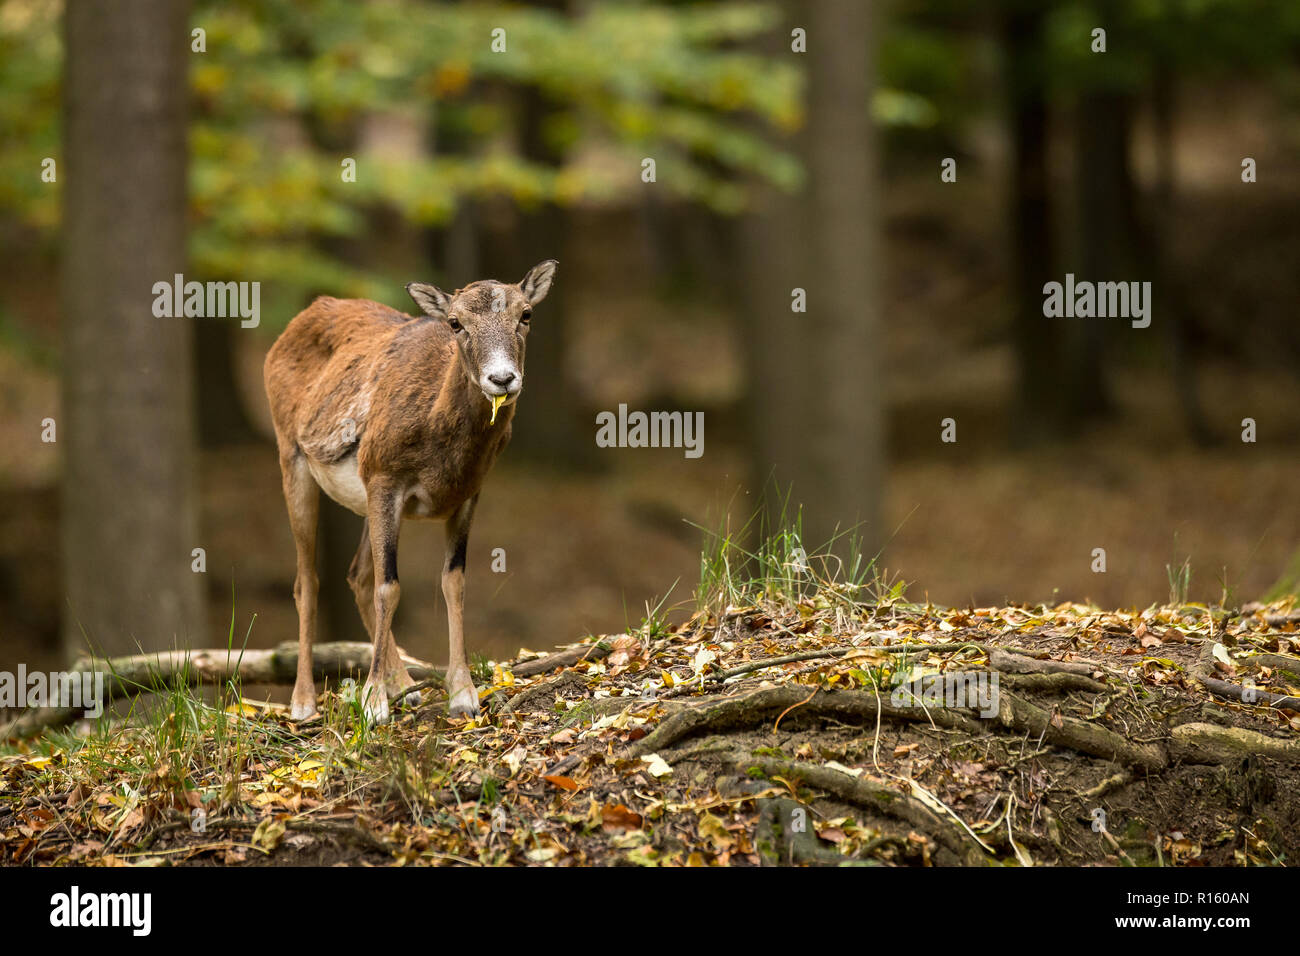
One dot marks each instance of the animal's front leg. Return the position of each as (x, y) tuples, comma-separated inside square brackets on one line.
[(463, 697), (384, 521)]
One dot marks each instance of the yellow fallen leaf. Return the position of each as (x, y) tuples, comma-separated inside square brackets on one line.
[(658, 767), (268, 834), (715, 831)]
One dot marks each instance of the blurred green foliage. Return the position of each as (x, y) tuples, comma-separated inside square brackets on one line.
[(285, 87), (1186, 37)]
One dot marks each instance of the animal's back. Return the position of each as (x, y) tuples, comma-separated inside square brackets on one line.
[(319, 372)]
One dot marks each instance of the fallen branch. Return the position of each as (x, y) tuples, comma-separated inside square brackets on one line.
[(1282, 662), (1113, 782), (1237, 692), (136, 674), (543, 665), (1019, 663), (320, 827)]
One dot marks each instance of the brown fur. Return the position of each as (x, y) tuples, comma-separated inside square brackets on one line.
[(365, 397)]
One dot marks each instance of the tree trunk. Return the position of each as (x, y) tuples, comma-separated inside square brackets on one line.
[(129, 513), (548, 425), (815, 388), (1106, 224), (844, 471), (1037, 412), (222, 417), (1155, 238)]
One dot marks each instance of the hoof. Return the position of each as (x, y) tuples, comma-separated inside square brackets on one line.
[(411, 700), (300, 711), (464, 703), (375, 704)]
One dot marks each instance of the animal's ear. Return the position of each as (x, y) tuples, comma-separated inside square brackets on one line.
[(432, 300), (537, 283)]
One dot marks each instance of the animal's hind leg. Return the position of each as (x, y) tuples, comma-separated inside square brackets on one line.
[(361, 576), (302, 498), (388, 676)]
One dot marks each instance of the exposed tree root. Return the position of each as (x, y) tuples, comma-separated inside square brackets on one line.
[(1059, 683), (1189, 743), (754, 708), (1209, 743), (784, 835), (542, 695), (346, 831), (870, 794), (1020, 715)]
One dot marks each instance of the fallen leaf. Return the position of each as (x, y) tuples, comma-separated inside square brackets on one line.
[(616, 816), (268, 833), (658, 767), (715, 831)]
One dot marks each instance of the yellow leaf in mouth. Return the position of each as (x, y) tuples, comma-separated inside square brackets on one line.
[(497, 402)]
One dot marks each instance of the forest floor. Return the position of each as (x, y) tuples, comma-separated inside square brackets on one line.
[(811, 728)]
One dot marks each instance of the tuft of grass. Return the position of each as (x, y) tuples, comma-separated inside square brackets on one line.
[(654, 625), (1180, 581), (768, 559)]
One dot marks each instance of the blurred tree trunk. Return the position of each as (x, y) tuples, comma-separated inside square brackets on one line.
[(222, 418), (1037, 411), (771, 261), (548, 425), (129, 513), (1156, 240), (815, 377), (1107, 222), (844, 420)]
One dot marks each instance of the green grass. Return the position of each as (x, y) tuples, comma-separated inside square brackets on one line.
[(768, 559), (1180, 581)]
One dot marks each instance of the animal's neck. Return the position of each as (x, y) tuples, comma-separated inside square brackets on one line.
[(462, 407)]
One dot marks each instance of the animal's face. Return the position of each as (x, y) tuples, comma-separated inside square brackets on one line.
[(490, 320)]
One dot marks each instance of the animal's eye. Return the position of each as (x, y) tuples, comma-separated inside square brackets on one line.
[(525, 317), (455, 325)]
